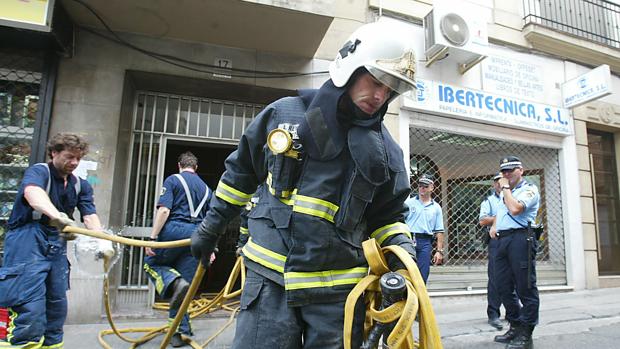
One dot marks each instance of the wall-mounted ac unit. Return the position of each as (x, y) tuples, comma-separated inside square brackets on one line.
[(457, 31)]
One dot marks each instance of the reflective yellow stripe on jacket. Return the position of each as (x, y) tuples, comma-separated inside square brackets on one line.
[(328, 278), (243, 231), (285, 194), (264, 257), (307, 204), (232, 195), (301, 280), (386, 231)]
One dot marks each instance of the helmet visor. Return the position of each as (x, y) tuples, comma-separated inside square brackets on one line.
[(397, 85)]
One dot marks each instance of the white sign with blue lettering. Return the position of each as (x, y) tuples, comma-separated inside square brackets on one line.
[(592, 85), (489, 108)]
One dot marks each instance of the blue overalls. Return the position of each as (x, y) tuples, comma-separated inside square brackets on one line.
[(304, 251), (187, 197), (511, 265), (35, 275), (424, 221)]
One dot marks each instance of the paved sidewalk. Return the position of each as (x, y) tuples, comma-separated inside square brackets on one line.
[(582, 319)]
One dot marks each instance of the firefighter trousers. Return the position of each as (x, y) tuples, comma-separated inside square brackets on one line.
[(266, 321)]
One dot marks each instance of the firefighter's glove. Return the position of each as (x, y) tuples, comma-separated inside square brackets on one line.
[(394, 262), (61, 222), (203, 244)]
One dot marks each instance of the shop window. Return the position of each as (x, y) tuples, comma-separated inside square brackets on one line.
[(464, 167), (20, 78)]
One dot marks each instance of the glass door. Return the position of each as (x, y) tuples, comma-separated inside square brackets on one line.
[(607, 200)]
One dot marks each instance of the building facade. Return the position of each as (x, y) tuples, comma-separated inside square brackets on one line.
[(142, 91)]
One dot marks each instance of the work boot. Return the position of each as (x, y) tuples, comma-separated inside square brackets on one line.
[(509, 335), (523, 340), (179, 290), (497, 323), (177, 341)]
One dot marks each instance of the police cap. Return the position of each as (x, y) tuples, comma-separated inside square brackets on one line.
[(509, 163)]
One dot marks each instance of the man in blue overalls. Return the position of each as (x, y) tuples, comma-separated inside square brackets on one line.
[(488, 211), (425, 220), (182, 205), (330, 177), (515, 265), (35, 273)]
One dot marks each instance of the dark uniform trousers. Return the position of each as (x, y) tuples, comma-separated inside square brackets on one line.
[(511, 273), (41, 271), (424, 249), (267, 322), (169, 264), (494, 301)]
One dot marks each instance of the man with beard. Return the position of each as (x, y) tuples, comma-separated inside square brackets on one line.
[(35, 273), (332, 176)]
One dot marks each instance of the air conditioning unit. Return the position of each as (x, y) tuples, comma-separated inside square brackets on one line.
[(457, 31)]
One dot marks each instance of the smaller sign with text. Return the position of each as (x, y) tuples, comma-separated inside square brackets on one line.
[(592, 85)]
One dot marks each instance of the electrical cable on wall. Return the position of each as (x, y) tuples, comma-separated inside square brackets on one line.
[(183, 63)]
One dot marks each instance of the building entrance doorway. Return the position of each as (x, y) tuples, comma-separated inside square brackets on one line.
[(210, 168)]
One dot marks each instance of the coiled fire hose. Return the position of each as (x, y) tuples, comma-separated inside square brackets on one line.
[(402, 312), (196, 307)]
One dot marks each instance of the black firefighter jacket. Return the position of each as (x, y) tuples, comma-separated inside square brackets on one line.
[(348, 184)]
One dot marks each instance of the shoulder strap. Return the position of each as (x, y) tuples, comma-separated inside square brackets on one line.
[(36, 215), (193, 212), (78, 185)]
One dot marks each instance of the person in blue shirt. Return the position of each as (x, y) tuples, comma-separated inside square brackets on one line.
[(488, 211), (425, 220), (515, 265), (182, 205), (35, 275)]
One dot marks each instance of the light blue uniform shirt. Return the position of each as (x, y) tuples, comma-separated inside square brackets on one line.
[(527, 194), (488, 208), (424, 219)]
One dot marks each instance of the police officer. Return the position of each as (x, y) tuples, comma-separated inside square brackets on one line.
[(515, 265), (333, 177), (425, 220), (488, 211), (35, 273), (182, 205)]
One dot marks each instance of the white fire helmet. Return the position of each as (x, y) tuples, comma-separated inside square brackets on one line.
[(385, 49)]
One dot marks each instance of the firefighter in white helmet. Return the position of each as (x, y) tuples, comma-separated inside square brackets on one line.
[(332, 177)]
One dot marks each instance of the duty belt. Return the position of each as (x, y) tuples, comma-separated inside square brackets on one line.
[(508, 232), (422, 236)]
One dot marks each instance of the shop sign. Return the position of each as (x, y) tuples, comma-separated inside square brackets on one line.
[(511, 77), (592, 85), (436, 97), (27, 14)]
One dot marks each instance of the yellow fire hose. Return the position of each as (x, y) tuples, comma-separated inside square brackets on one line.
[(197, 307), (417, 301), (401, 337)]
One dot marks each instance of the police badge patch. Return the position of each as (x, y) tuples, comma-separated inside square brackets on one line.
[(163, 191)]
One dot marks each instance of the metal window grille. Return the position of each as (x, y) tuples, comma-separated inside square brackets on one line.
[(20, 78), (595, 20), (156, 116), (464, 167)]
